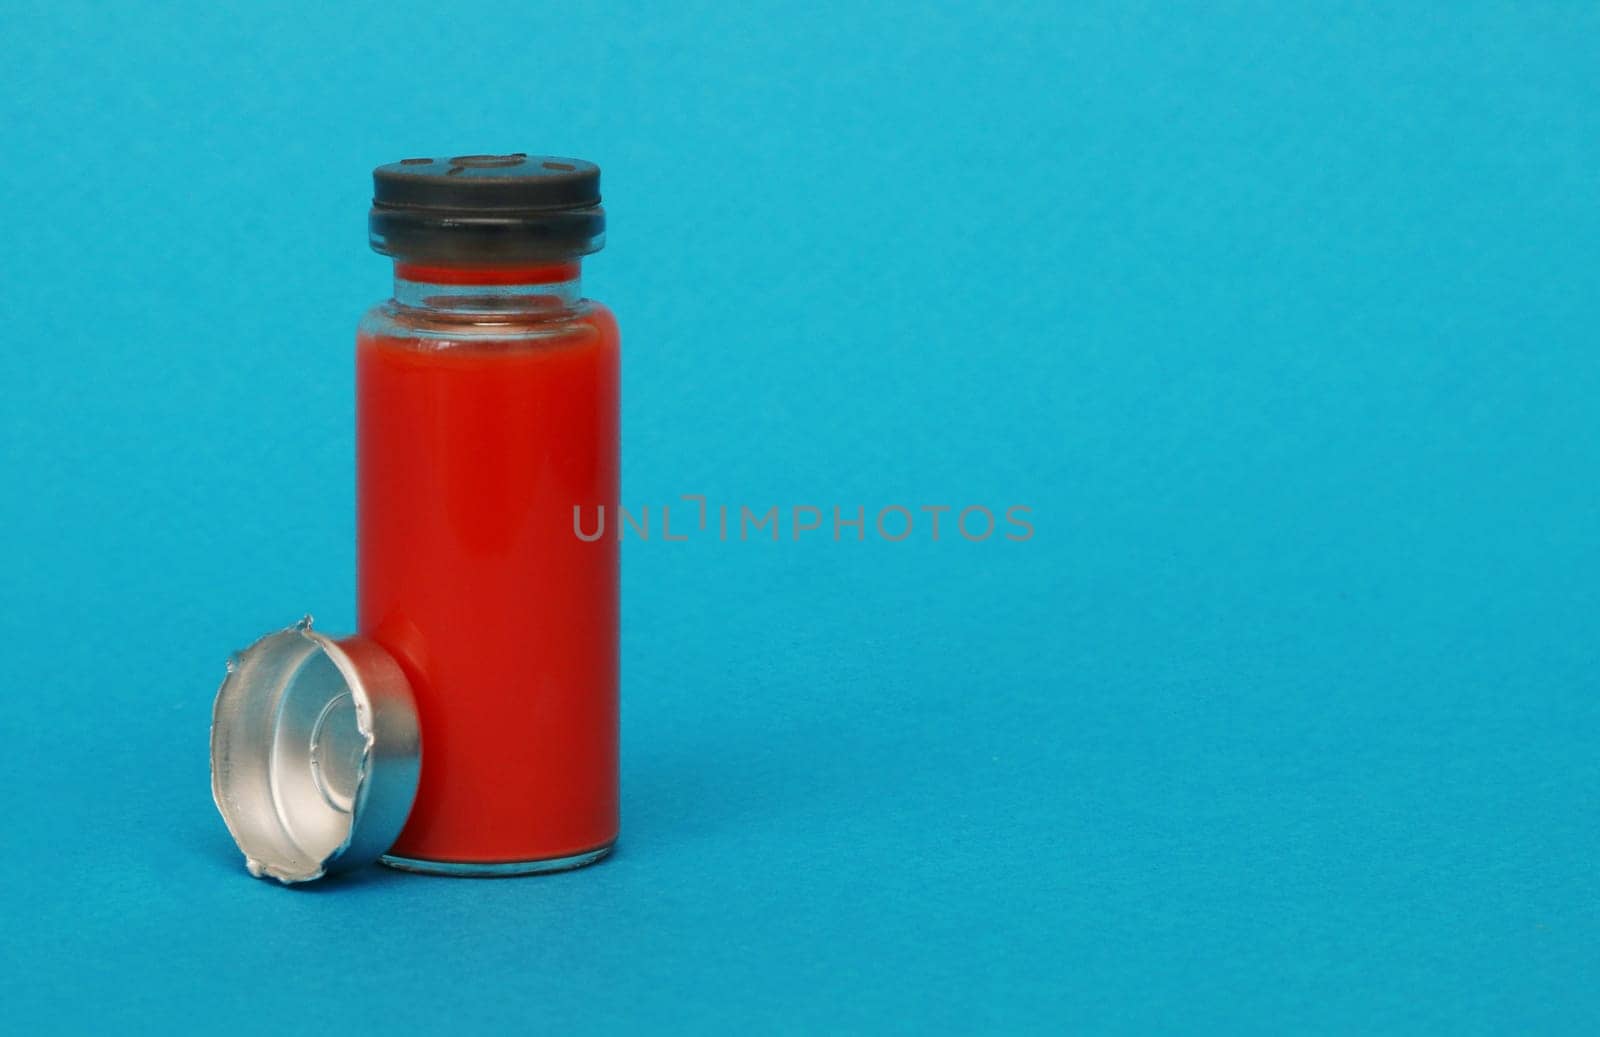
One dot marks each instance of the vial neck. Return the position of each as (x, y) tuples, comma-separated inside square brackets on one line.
[(550, 288)]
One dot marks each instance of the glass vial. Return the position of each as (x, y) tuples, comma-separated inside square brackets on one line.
[(487, 411)]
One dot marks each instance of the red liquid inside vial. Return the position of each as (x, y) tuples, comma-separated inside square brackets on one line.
[(473, 451)]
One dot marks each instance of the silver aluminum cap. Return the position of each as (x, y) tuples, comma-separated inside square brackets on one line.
[(314, 753)]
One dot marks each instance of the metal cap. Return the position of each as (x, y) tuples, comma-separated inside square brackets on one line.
[(314, 753)]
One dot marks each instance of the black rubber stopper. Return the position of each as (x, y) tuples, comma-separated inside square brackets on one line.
[(486, 209)]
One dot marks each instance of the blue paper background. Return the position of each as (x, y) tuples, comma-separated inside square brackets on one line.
[(1281, 318)]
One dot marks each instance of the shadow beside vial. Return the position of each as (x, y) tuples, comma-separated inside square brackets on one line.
[(689, 794)]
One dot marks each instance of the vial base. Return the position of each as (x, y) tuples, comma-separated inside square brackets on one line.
[(496, 869)]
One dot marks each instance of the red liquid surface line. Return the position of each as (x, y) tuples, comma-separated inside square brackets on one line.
[(551, 273), (471, 459)]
